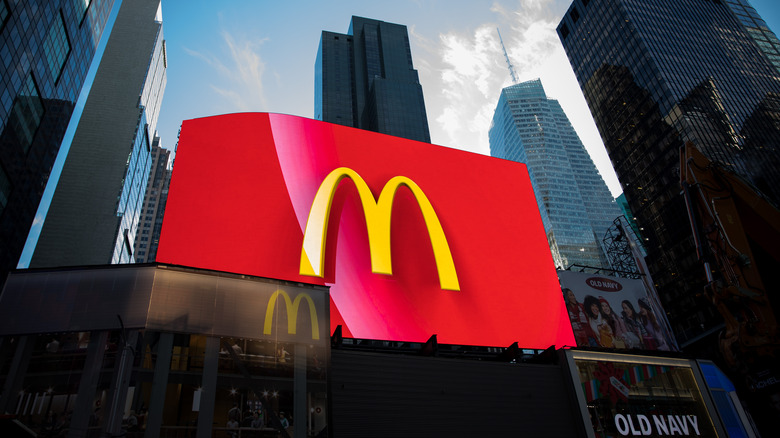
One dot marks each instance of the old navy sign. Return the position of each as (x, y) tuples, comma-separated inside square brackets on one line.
[(413, 239), (657, 425)]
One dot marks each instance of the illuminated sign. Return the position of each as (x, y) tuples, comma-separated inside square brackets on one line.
[(261, 194), (641, 396), (684, 425), (292, 313), (378, 215)]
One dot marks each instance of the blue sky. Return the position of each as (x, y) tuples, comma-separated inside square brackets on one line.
[(226, 57)]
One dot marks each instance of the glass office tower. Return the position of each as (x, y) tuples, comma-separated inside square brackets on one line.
[(153, 211), (658, 73), (365, 79), (94, 213), (758, 30), (575, 203), (46, 48)]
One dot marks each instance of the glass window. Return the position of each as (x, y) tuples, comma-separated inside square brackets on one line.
[(5, 190), (46, 399), (26, 113), (56, 47), (574, 14), (640, 398), (5, 12), (81, 7)]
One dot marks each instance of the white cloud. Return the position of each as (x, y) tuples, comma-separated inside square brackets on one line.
[(464, 74), (473, 70), (240, 70), (468, 85)]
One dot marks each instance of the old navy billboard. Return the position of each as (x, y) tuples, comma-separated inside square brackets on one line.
[(614, 312), (413, 239)]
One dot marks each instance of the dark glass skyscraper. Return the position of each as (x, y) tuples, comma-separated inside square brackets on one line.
[(756, 26), (365, 79), (46, 48), (658, 73)]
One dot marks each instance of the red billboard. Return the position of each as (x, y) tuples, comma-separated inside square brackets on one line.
[(413, 239)]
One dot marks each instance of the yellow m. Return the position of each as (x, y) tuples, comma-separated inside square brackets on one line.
[(292, 313), (377, 215)]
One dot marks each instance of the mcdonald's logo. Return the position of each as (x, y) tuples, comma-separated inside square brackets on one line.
[(377, 214), (292, 313)]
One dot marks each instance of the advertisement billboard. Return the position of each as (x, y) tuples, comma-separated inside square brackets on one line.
[(642, 396), (613, 312), (413, 239)]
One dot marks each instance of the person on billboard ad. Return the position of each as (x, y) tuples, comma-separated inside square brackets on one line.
[(618, 311), (583, 334), (635, 331), (651, 325), (606, 337), (618, 328)]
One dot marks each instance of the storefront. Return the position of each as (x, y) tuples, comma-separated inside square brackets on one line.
[(163, 351), (632, 395)]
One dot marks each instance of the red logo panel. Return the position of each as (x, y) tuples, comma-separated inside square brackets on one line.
[(240, 198)]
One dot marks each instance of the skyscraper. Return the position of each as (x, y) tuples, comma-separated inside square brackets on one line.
[(758, 30), (658, 73), (365, 79), (575, 203), (46, 49), (153, 210), (94, 213)]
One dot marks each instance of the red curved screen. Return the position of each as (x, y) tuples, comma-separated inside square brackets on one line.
[(240, 198)]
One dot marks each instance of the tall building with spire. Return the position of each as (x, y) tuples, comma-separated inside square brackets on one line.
[(46, 49), (96, 207), (576, 206), (365, 79)]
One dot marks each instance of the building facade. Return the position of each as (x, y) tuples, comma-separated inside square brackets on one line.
[(96, 207), (576, 206), (758, 30), (46, 49), (146, 351), (657, 74), (153, 210), (365, 79)]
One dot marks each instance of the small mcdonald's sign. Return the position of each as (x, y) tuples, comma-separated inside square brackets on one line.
[(291, 306)]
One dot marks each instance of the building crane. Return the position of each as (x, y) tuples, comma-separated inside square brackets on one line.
[(508, 62), (736, 231)]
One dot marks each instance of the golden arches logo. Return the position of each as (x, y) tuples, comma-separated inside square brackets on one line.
[(377, 214), (292, 313)]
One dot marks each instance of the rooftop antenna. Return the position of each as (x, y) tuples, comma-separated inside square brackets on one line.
[(508, 62)]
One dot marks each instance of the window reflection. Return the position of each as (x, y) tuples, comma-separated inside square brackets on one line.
[(255, 384), (653, 399)]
